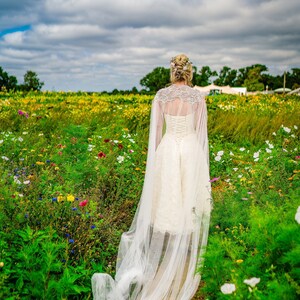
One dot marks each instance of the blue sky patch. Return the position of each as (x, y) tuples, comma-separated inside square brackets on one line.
[(15, 29)]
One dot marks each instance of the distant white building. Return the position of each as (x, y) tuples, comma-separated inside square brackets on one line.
[(295, 92), (212, 88)]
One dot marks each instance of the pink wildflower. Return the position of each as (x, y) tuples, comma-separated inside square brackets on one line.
[(214, 179), (83, 203)]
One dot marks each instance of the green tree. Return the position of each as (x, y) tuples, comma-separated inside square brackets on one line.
[(7, 82), (157, 79), (253, 81), (203, 77), (227, 76), (272, 82), (293, 78), (32, 82)]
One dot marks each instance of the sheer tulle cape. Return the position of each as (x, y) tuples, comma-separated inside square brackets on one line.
[(156, 262)]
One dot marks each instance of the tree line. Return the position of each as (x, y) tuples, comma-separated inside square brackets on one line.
[(254, 78), (10, 82)]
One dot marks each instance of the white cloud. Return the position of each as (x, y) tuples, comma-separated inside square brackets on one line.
[(94, 45)]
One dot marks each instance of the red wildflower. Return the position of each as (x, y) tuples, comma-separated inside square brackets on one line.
[(83, 203), (101, 154), (120, 146), (106, 140)]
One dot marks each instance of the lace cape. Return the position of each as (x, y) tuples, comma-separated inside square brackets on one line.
[(184, 93), (155, 264)]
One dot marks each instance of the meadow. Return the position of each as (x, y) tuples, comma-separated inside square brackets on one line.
[(72, 168)]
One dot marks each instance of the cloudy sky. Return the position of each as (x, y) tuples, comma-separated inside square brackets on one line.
[(97, 45)]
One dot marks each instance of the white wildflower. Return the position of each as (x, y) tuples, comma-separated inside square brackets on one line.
[(274, 133), (296, 127), (293, 136), (269, 145), (256, 154), (235, 169), (297, 216), (218, 158), (231, 154), (220, 153), (286, 129), (25, 132), (21, 195), (228, 288), (284, 150), (242, 149), (4, 158), (16, 180), (268, 150), (116, 141), (1, 141), (256, 159), (120, 158), (20, 139), (240, 176), (132, 141), (252, 281), (41, 134), (90, 147), (26, 182)]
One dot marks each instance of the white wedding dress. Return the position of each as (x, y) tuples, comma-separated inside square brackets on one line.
[(159, 255)]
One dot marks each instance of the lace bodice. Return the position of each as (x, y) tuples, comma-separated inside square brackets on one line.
[(180, 126)]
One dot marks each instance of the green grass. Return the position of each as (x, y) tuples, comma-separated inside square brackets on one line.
[(77, 146)]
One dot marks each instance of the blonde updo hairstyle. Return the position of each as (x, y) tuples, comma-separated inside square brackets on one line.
[(181, 69)]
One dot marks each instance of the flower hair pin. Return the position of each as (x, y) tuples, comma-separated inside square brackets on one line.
[(185, 67)]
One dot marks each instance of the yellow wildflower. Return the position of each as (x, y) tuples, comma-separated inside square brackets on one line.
[(70, 198), (239, 261), (60, 198), (40, 163)]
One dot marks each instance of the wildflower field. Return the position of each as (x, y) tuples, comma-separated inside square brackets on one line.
[(72, 168)]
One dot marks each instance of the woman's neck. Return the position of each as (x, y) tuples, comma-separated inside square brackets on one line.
[(180, 83)]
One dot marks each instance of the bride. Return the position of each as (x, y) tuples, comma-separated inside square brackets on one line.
[(159, 255)]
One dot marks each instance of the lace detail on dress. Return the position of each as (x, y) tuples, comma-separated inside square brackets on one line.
[(181, 92)]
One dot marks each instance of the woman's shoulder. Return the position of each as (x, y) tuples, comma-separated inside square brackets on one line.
[(183, 92)]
